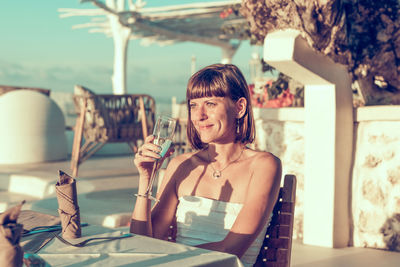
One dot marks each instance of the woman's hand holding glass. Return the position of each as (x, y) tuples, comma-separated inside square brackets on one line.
[(148, 154), (155, 149)]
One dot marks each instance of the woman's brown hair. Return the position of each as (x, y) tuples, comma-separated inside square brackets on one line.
[(220, 80)]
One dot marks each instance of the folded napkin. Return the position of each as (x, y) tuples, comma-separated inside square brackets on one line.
[(32, 243), (11, 253), (68, 208)]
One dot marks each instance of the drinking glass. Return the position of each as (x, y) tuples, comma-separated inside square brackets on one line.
[(163, 133)]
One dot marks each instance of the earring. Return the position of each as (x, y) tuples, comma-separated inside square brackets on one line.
[(237, 126)]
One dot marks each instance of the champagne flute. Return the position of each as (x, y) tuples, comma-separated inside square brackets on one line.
[(163, 133)]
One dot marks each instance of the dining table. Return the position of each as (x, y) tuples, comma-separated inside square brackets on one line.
[(123, 249)]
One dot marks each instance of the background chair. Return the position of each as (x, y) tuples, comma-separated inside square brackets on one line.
[(108, 119), (277, 246)]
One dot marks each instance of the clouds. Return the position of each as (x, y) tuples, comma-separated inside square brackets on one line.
[(155, 82), (55, 77), (62, 77), (59, 65), (13, 72)]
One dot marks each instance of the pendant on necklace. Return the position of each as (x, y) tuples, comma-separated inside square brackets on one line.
[(216, 174)]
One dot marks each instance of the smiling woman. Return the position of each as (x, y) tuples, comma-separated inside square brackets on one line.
[(221, 195)]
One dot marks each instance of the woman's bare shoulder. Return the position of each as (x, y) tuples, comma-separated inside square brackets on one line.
[(266, 173), (263, 159), (265, 166)]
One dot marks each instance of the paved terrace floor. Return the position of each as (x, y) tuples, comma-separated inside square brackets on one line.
[(106, 186)]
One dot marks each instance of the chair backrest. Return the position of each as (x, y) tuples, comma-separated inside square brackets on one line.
[(116, 118), (277, 245)]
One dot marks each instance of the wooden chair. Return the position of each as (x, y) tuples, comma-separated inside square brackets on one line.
[(109, 119), (277, 245)]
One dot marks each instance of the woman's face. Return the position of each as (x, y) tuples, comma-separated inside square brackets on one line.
[(214, 119)]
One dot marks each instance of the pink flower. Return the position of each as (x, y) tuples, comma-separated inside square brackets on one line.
[(225, 13), (283, 100)]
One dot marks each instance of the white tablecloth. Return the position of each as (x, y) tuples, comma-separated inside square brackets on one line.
[(132, 251)]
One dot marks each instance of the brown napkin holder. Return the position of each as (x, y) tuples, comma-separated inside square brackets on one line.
[(68, 208)]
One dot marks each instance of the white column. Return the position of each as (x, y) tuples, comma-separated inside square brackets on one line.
[(193, 65), (328, 136), (121, 36), (228, 53)]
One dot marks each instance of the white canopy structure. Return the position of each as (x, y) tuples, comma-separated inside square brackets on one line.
[(206, 23)]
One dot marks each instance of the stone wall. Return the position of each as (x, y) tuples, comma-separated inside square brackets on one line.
[(376, 169), (376, 181)]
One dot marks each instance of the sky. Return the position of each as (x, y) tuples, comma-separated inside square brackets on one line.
[(40, 49)]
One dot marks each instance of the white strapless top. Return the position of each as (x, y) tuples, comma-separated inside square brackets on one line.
[(202, 220)]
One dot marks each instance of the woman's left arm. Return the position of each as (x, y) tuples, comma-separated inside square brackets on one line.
[(261, 196)]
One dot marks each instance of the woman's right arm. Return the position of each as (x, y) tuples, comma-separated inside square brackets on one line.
[(144, 161), (142, 221)]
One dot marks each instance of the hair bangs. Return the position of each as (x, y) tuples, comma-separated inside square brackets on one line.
[(206, 85)]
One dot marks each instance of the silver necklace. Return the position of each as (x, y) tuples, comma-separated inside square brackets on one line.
[(218, 173)]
